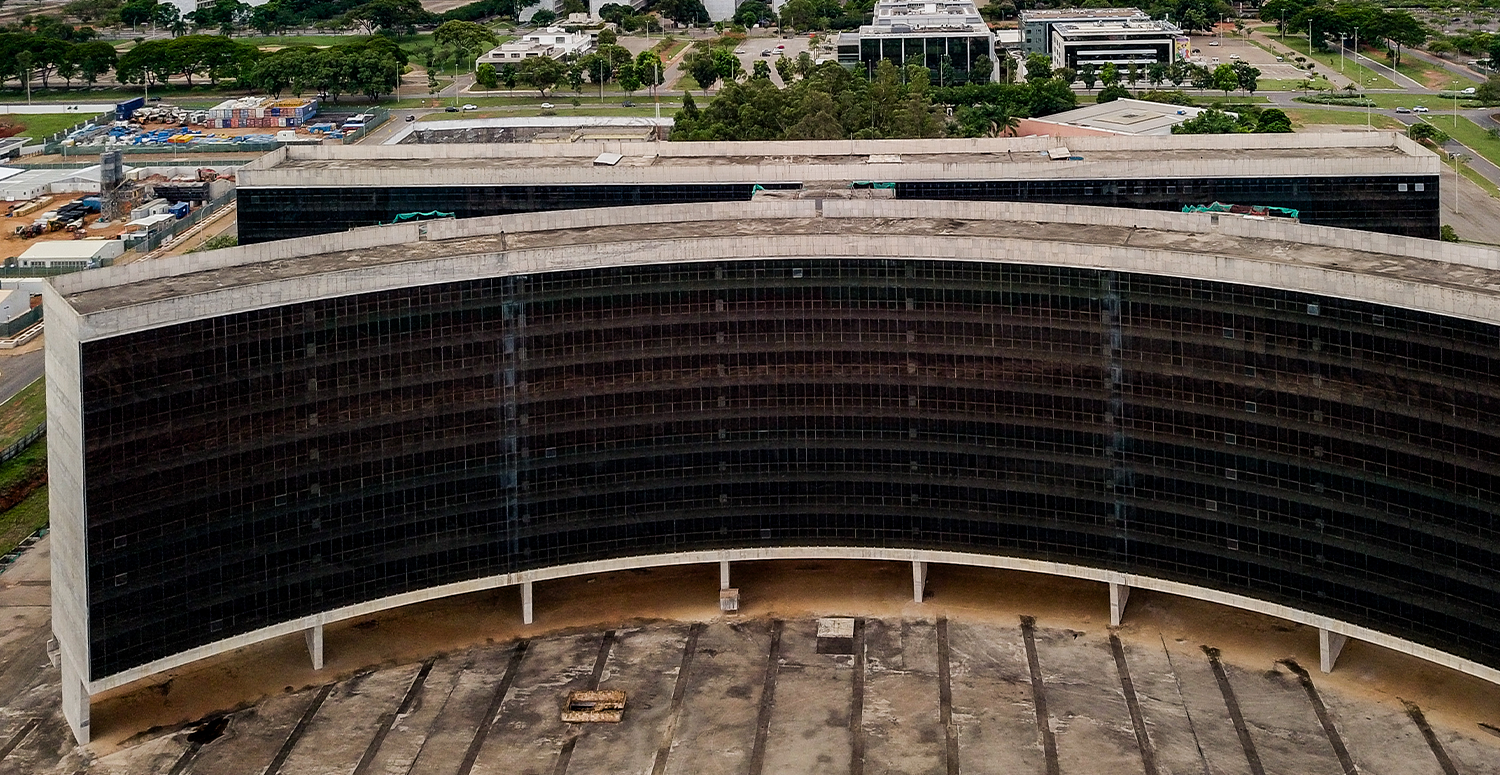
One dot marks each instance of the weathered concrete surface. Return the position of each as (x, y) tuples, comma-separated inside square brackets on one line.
[(375, 665)]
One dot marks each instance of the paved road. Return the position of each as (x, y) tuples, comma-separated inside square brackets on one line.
[(18, 371)]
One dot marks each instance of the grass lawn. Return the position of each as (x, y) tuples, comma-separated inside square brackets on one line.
[(1203, 99), (677, 48), (687, 83), (23, 519), (1431, 76), (1304, 116), (23, 413), (40, 125), (1352, 68), (1287, 84), (1470, 134)]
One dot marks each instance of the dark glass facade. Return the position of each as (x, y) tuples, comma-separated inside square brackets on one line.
[(1334, 456), (1391, 205)]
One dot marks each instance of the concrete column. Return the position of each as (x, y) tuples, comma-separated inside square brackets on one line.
[(75, 703), (1118, 595), (918, 580), (723, 574), (314, 637), (1329, 646), (526, 612)]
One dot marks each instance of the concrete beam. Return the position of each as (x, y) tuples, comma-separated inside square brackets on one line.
[(723, 575), (918, 580), (1330, 644), (526, 609), (75, 703), (1119, 594), (314, 637)]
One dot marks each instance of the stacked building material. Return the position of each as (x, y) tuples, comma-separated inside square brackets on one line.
[(261, 112)]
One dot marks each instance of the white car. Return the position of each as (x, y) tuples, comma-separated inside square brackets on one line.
[(1420, 109), (1469, 90), (1213, 43), (471, 107), (547, 106), (1234, 56)]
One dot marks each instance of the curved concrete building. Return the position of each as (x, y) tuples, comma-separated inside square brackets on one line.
[(1292, 419)]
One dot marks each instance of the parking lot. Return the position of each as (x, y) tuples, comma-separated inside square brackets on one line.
[(1231, 48)]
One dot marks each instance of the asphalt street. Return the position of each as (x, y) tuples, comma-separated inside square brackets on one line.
[(18, 371)]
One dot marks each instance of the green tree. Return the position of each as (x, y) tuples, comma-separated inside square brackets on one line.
[(607, 37), (94, 59), (650, 70), (1225, 79), (629, 77), (762, 70), (487, 76), (1109, 75), (1088, 72), (1427, 134), (1038, 67), (986, 120), (1246, 76), (465, 35), (786, 70), (1210, 122), (542, 73), (138, 12), (1273, 121), (510, 76), (704, 69), (1112, 93)]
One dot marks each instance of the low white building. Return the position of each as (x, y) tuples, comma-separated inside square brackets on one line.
[(185, 7), (71, 254), (554, 42), (1119, 117)]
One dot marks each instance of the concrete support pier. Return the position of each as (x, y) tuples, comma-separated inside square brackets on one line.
[(526, 610), (314, 637), (918, 580), (75, 703), (723, 575), (1119, 594), (1329, 646)]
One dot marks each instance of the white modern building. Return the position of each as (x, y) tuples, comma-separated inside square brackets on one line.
[(1120, 42), (1036, 26), (554, 42), (927, 30)]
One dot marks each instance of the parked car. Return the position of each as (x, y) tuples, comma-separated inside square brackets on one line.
[(411, 118), (1420, 109), (1213, 43), (1469, 90), (1234, 56), (1403, 110), (766, 53)]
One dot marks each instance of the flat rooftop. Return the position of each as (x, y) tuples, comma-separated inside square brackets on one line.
[(1082, 13), (666, 163), (1421, 274)]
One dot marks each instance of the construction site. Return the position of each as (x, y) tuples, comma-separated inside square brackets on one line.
[(133, 208)]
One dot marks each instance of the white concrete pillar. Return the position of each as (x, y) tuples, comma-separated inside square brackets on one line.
[(1119, 594), (526, 611), (314, 637), (918, 580), (723, 575), (1329, 646), (75, 703)]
